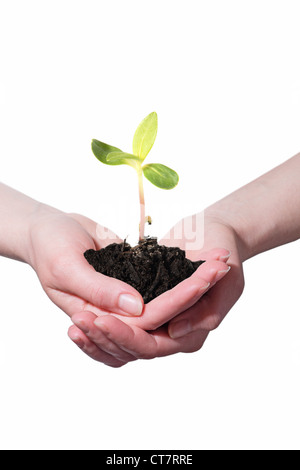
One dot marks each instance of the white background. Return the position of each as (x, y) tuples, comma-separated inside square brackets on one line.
[(224, 78)]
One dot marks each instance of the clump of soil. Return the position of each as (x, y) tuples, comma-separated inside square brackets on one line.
[(148, 267)]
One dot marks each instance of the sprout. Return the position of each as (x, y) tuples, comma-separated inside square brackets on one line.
[(143, 140)]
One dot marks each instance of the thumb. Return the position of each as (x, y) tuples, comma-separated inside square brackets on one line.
[(78, 278)]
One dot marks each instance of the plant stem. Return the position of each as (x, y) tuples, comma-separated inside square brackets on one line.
[(142, 204)]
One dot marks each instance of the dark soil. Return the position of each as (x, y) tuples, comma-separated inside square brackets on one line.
[(148, 267)]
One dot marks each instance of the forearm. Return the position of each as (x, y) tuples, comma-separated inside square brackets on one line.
[(16, 214), (266, 212)]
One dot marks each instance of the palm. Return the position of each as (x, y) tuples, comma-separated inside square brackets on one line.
[(208, 313), (148, 336), (59, 263)]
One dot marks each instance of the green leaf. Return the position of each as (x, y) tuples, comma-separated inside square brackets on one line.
[(122, 158), (102, 150), (145, 136), (161, 175)]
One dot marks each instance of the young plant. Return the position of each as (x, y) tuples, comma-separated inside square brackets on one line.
[(143, 140)]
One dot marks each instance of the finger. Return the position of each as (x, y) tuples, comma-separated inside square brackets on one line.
[(175, 301), (210, 311), (132, 340), (70, 303), (207, 315), (85, 321), (194, 254), (145, 345), (186, 344), (75, 276), (90, 349), (220, 254)]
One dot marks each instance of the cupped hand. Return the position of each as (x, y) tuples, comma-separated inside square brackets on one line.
[(57, 243), (117, 340), (180, 319), (208, 313)]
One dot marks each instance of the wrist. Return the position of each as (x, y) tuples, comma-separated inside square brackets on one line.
[(37, 219), (264, 213), (221, 213), (15, 213)]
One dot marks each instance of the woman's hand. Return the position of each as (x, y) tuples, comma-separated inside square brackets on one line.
[(147, 337), (208, 313), (57, 243)]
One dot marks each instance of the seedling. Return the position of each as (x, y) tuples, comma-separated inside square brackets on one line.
[(160, 175)]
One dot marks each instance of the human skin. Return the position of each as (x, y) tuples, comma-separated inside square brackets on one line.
[(148, 337), (53, 242), (260, 216)]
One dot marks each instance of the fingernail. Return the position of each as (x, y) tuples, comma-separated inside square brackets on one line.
[(221, 273), (82, 325), (225, 257), (205, 287), (180, 328), (99, 323), (78, 341), (130, 304)]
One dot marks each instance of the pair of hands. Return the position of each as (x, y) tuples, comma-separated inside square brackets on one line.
[(177, 321)]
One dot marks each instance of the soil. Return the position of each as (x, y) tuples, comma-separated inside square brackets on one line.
[(148, 267)]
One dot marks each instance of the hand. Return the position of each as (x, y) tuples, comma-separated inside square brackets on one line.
[(209, 312), (128, 339), (57, 244), (243, 222)]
